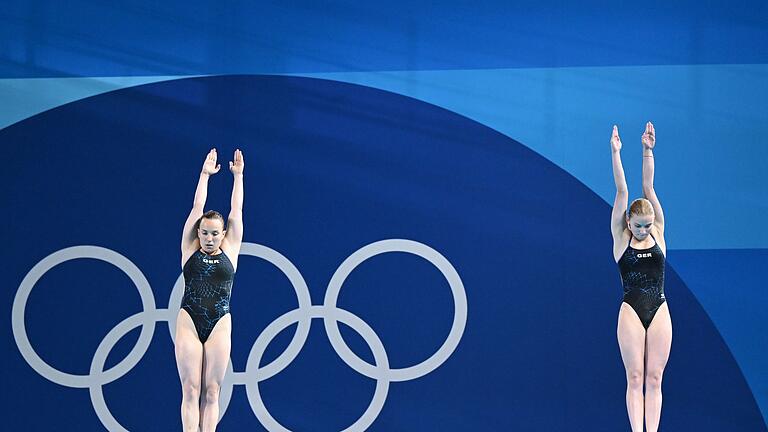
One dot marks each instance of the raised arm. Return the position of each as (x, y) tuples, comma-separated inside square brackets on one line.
[(618, 222), (649, 142), (189, 241), (234, 237)]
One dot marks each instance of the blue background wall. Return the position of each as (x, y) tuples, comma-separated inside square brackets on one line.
[(480, 130)]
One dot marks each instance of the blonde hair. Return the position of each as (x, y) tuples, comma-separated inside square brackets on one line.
[(640, 207)]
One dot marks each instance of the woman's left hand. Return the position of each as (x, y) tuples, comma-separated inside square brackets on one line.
[(238, 164), (649, 137)]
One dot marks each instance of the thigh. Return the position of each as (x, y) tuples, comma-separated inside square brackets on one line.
[(217, 349), (631, 335), (659, 339), (189, 350)]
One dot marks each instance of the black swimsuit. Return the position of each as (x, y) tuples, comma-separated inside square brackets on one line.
[(642, 274), (207, 288)]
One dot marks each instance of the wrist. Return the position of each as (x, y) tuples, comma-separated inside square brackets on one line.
[(648, 152)]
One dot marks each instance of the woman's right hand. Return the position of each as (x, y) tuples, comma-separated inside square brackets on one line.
[(209, 166), (615, 140)]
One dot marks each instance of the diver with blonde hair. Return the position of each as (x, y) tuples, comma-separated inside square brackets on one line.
[(644, 329)]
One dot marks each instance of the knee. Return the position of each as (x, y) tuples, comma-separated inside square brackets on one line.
[(190, 389), (212, 393), (653, 379), (635, 379)]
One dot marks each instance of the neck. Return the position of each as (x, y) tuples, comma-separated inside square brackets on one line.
[(647, 239)]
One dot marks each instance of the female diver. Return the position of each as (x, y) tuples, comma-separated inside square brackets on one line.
[(209, 252), (645, 329)]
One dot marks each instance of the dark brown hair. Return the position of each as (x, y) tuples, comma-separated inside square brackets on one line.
[(211, 214)]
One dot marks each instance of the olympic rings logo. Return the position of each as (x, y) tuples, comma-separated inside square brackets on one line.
[(253, 374)]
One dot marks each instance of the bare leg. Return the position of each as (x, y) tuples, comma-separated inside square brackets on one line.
[(202, 388), (189, 359), (631, 335), (216, 350), (658, 344)]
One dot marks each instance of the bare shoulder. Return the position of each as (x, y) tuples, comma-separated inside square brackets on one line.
[(231, 250), (188, 251)]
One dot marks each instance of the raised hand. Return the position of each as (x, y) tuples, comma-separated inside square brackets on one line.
[(238, 164), (615, 140), (209, 166), (649, 137)]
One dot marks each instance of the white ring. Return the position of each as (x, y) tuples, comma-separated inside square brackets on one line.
[(459, 317), (253, 374), (20, 304), (252, 379)]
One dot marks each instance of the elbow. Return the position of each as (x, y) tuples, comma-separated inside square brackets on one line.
[(647, 188), (198, 206)]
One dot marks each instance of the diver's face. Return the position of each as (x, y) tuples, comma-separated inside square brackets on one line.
[(211, 234), (640, 225)]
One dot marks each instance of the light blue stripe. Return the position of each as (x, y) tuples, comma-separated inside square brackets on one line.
[(711, 122), (24, 97)]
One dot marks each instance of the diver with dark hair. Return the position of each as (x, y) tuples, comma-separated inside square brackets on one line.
[(209, 252)]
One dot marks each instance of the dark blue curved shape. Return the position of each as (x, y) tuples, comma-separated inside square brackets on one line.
[(331, 167)]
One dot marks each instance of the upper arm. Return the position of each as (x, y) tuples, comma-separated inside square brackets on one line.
[(233, 239), (619, 223), (650, 195), (618, 215), (189, 240)]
